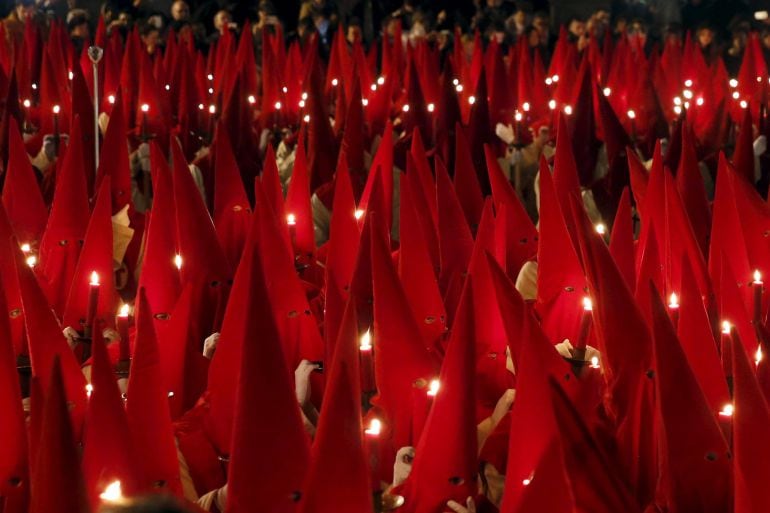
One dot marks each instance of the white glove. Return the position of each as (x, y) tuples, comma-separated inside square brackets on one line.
[(302, 381), (110, 335), (403, 465), (210, 345), (71, 335), (503, 405), (760, 145), (48, 145), (565, 349), (143, 152), (470, 506), (505, 132)]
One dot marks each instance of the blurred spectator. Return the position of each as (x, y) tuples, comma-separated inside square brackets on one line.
[(150, 35), (706, 40), (78, 28), (516, 24), (733, 56)]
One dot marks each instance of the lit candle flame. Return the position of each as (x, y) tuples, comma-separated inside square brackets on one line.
[(687, 94), (568, 110), (726, 327), (71, 75), (678, 110), (733, 83), (431, 107), (168, 87), (375, 427), (335, 82), (373, 87), (673, 301), (201, 106), (31, 260), (210, 77), (471, 100), (555, 78), (455, 81), (631, 114), (301, 104), (757, 277), (89, 389), (358, 213), (699, 101), (459, 88), (688, 83), (285, 89), (291, 219), (111, 99), (607, 91), (94, 278), (366, 341), (594, 362), (304, 96), (212, 109), (677, 100), (27, 104), (433, 387), (178, 261), (736, 95), (123, 311), (758, 355), (552, 104), (364, 102), (601, 229), (145, 107), (380, 80), (112, 493), (525, 106), (727, 410), (277, 105), (56, 109), (306, 119), (251, 99), (588, 305), (26, 248), (744, 104), (518, 116), (405, 108)]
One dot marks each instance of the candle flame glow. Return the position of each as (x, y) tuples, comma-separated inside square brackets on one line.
[(123, 311), (358, 214), (744, 104), (727, 410), (145, 107), (552, 104), (525, 106), (112, 493), (212, 109), (594, 362), (111, 99), (178, 261), (471, 100), (518, 116), (568, 110), (673, 301), (588, 305), (94, 278), (277, 105), (405, 108), (631, 114), (757, 277), (726, 327), (607, 91), (251, 99), (306, 119), (89, 389), (433, 387), (431, 107), (56, 109), (375, 427), (26, 248), (291, 219), (380, 80), (733, 83), (758, 355), (688, 83), (601, 229), (699, 101), (27, 103), (335, 82), (366, 341), (31, 260)]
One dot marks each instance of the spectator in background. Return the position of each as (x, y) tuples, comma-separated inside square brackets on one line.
[(354, 31), (706, 40), (78, 29), (14, 22), (150, 35), (323, 25), (223, 21), (180, 15), (733, 56), (517, 23)]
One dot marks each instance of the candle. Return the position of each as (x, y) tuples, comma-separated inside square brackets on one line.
[(372, 437), (579, 351), (178, 262), (122, 323), (726, 353), (673, 306), (145, 109), (758, 287), (56, 110), (93, 301), (632, 117), (368, 384), (212, 112), (517, 132), (27, 104)]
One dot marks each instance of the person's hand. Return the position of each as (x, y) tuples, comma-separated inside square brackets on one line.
[(760, 145), (503, 405), (302, 381), (403, 465), (210, 345), (49, 146), (110, 335), (505, 133), (470, 506), (143, 152), (71, 335)]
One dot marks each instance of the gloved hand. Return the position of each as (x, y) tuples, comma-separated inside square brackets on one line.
[(110, 335), (143, 152), (302, 381), (470, 506), (49, 146), (403, 465), (505, 133), (210, 345), (71, 335), (760, 145)]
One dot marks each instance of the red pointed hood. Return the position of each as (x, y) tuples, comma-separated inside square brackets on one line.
[(113, 159), (159, 276), (750, 449), (690, 185), (203, 258), (444, 467), (697, 457), (338, 476), (401, 358), (322, 154), (560, 277), (14, 464), (480, 128), (264, 386), (66, 228), (344, 237), (83, 107), (622, 246), (415, 268), (46, 342), (354, 137), (232, 212), (455, 238), (22, 198), (271, 183), (147, 409), (95, 257), (57, 482), (298, 204), (466, 182), (108, 454)]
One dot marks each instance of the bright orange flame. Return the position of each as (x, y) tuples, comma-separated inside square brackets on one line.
[(94, 278)]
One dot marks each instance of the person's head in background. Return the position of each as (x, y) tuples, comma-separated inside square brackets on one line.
[(638, 28), (25, 9), (354, 30), (77, 25), (532, 36), (621, 24), (180, 11), (576, 27), (149, 504), (542, 22), (305, 29), (150, 35), (765, 37), (704, 36), (520, 17), (222, 21)]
